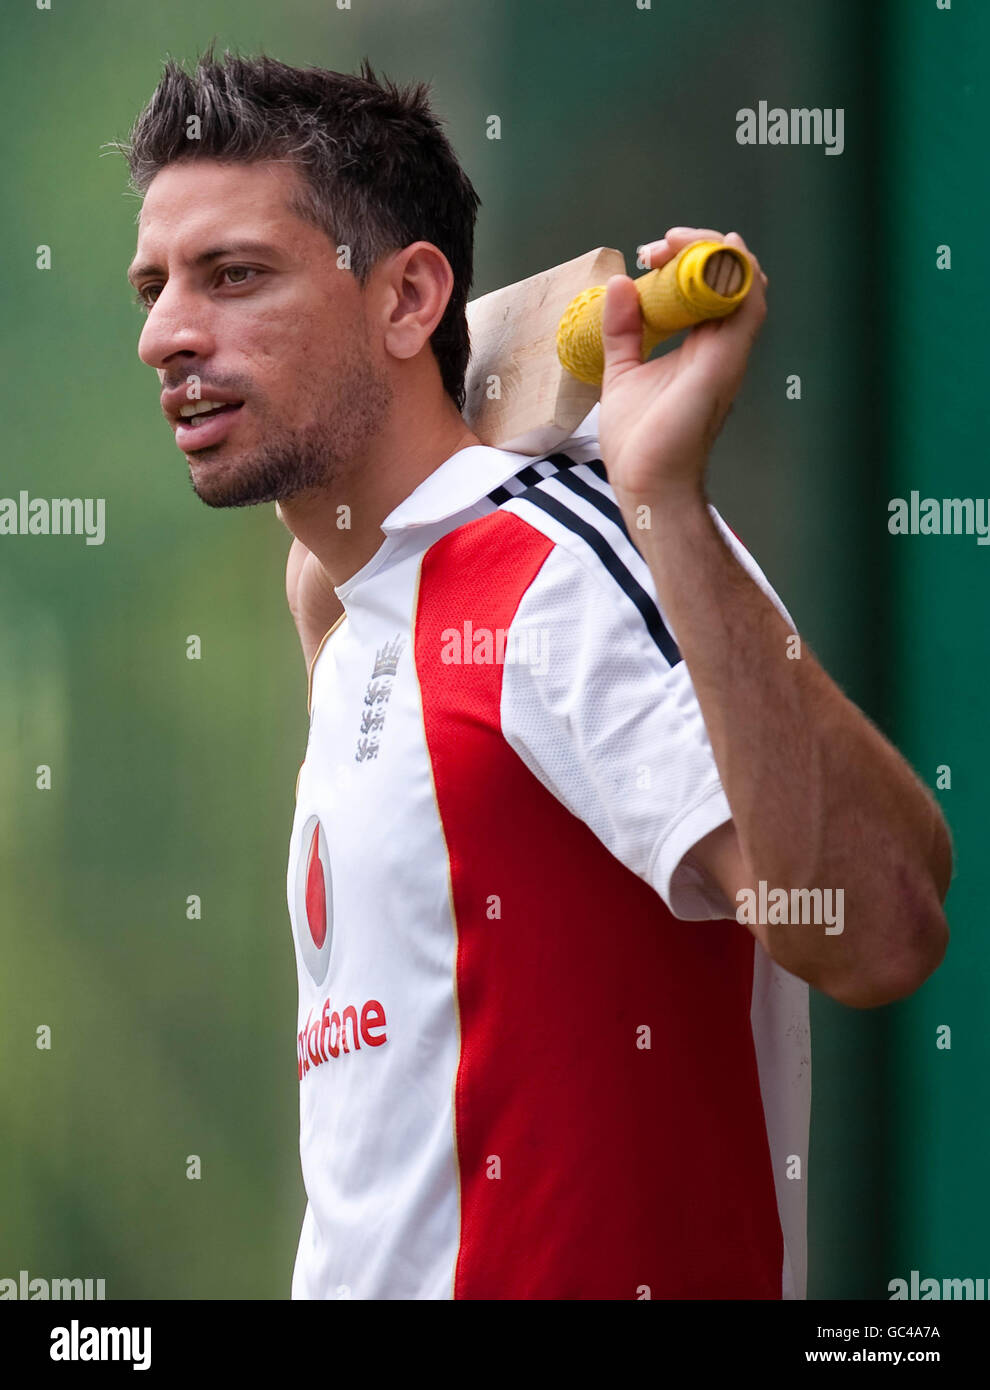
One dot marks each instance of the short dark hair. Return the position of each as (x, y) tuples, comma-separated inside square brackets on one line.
[(379, 172)]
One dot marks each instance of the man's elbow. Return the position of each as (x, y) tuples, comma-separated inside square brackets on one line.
[(921, 934), (941, 857)]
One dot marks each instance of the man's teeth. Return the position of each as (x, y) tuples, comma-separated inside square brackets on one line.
[(200, 407)]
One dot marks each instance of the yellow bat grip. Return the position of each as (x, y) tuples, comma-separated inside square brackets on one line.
[(706, 280)]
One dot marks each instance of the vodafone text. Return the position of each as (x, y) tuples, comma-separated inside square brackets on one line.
[(326, 1036)]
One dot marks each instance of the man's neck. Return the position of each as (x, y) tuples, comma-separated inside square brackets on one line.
[(398, 461)]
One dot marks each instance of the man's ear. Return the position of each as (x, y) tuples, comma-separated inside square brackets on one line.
[(421, 281)]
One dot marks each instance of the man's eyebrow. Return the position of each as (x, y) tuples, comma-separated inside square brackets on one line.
[(237, 248)]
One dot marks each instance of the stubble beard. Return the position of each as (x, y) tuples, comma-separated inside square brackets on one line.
[(316, 456)]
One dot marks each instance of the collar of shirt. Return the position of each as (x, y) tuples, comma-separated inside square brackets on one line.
[(468, 476), (457, 485)]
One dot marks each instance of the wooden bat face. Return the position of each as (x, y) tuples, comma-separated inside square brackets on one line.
[(519, 396)]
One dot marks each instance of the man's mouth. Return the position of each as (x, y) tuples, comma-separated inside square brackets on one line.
[(207, 423), (198, 412)]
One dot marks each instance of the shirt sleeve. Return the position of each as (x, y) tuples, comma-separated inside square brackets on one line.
[(600, 707)]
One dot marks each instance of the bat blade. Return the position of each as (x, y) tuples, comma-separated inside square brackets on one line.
[(518, 395)]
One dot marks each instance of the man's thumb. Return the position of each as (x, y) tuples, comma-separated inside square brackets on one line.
[(622, 326)]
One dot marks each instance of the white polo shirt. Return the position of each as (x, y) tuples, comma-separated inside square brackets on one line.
[(537, 1057)]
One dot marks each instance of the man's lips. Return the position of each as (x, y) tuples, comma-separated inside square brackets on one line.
[(201, 431), (176, 398)]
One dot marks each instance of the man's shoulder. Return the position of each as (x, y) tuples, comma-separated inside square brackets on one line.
[(554, 533), (565, 497)]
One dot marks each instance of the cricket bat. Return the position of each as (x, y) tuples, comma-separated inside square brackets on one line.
[(536, 347)]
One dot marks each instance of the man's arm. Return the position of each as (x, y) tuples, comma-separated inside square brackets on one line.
[(819, 799), (312, 602)]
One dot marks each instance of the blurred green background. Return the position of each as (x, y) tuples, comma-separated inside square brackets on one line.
[(173, 777)]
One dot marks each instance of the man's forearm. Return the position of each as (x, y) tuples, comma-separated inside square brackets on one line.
[(819, 798)]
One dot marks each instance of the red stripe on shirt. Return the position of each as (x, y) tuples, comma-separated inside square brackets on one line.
[(590, 1167)]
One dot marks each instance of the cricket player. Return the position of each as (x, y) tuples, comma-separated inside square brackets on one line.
[(580, 818)]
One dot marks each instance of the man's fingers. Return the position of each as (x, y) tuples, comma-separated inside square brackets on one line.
[(622, 327), (676, 238), (734, 239), (758, 307), (735, 335), (751, 313), (654, 254), (682, 236)]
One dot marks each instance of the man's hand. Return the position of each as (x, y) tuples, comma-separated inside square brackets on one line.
[(658, 420)]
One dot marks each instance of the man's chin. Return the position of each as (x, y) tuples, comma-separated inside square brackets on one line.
[(223, 482), (220, 486)]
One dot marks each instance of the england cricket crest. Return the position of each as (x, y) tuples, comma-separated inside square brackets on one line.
[(376, 698)]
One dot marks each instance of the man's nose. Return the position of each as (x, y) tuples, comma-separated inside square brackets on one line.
[(176, 324)]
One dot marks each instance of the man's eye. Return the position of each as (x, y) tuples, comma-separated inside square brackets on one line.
[(237, 275), (240, 271)]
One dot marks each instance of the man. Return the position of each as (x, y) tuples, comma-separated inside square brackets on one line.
[(561, 727)]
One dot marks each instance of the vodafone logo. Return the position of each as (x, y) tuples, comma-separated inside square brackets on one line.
[(314, 900)]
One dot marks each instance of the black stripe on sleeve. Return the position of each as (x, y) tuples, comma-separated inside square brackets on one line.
[(530, 478), (605, 504), (626, 581)]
